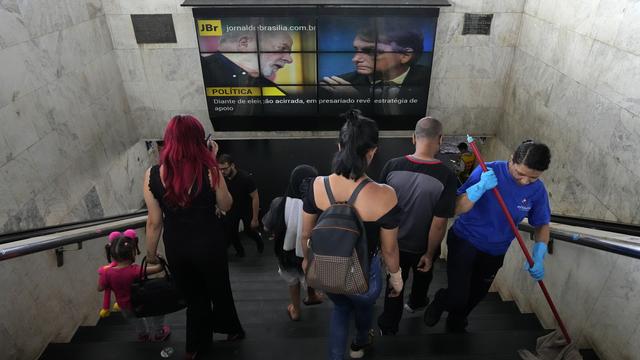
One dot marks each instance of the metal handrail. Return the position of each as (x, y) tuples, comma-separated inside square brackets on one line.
[(77, 236), (53, 229), (586, 241)]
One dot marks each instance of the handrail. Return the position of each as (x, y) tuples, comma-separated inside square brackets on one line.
[(587, 241), (610, 226), (31, 233), (76, 236)]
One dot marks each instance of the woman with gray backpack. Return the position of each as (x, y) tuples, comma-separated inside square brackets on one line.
[(348, 220)]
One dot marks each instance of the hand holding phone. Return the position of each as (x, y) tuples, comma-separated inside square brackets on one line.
[(212, 145)]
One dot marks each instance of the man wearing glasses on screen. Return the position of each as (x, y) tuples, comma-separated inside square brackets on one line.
[(390, 67)]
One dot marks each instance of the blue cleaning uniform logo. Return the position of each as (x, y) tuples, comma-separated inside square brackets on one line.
[(524, 205)]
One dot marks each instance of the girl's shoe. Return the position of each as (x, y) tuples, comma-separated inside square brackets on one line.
[(143, 337)]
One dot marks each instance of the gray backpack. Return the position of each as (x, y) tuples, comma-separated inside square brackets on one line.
[(338, 249)]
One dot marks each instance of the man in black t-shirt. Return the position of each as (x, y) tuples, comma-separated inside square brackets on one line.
[(426, 190), (246, 205)]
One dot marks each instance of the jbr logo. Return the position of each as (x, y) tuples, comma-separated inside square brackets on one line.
[(209, 28)]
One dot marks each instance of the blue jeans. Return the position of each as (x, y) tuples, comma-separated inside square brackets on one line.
[(362, 307)]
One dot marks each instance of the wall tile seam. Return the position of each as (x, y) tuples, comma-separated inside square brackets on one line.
[(75, 71), (580, 83), (31, 39), (564, 28)]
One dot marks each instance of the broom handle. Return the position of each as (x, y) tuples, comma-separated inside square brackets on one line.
[(496, 192)]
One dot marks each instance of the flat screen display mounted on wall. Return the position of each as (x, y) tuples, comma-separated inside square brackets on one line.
[(300, 68)]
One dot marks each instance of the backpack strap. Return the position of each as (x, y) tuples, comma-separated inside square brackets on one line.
[(357, 190), (327, 186)]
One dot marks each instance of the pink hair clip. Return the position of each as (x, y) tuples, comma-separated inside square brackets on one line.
[(130, 233), (114, 235)]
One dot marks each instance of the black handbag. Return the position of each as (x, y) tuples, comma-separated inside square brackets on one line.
[(157, 296)]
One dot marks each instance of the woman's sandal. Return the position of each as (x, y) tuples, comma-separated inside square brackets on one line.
[(289, 313)]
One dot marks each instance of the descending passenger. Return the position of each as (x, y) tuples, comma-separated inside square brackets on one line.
[(377, 206), (467, 160), (426, 190), (480, 237), (245, 208), (284, 222), (181, 195), (119, 276)]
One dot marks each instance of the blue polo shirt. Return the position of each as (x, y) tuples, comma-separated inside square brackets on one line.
[(485, 225)]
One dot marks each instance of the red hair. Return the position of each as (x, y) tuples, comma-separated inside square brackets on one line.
[(184, 157)]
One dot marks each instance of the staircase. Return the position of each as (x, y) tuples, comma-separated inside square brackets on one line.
[(496, 328)]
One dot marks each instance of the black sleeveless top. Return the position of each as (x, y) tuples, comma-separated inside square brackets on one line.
[(389, 220), (196, 224)]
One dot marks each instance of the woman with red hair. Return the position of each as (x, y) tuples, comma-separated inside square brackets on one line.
[(182, 194)]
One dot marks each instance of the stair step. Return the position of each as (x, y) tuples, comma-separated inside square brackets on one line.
[(314, 326), (445, 346)]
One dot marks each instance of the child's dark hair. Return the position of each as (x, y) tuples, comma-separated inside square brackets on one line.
[(358, 135), (123, 249), (535, 156)]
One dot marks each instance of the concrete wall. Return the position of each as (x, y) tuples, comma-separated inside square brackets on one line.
[(595, 293), (66, 136), (574, 85), (469, 72), (160, 80)]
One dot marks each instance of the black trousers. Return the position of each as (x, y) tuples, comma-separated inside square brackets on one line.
[(470, 274), (202, 274), (231, 223), (389, 320)]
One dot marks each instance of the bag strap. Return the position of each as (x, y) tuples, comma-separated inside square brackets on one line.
[(143, 268), (357, 190), (327, 186)]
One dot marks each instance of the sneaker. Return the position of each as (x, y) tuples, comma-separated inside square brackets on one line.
[(412, 309), (163, 334), (357, 351)]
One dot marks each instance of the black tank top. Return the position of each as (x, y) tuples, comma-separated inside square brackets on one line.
[(197, 222)]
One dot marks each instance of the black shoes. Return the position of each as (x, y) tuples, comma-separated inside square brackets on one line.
[(412, 308), (456, 326), (434, 311), (260, 245)]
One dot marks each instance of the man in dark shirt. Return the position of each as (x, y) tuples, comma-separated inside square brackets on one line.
[(388, 64), (426, 190), (246, 205)]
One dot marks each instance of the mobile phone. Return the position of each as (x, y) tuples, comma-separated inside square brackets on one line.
[(206, 140)]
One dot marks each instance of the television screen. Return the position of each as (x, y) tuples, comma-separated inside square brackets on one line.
[(300, 68)]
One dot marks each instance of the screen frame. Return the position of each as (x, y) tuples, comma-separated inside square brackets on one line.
[(316, 122)]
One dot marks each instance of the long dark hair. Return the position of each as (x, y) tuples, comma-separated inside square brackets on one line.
[(358, 135), (535, 156)]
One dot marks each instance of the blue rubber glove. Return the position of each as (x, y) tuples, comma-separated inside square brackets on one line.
[(488, 181), (537, 271)]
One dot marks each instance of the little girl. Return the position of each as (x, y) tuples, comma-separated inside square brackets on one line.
[(118, 278), (106, 298)]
